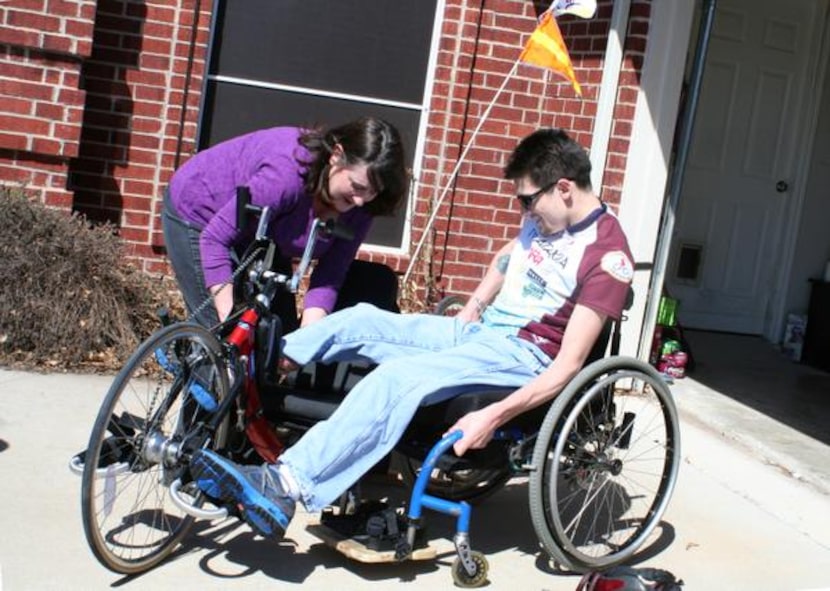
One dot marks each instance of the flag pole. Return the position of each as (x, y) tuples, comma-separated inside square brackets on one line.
[(414, 257)]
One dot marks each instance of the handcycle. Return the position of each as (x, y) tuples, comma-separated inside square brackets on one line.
[(602, 458)]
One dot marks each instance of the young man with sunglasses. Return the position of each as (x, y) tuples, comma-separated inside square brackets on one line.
[(529, 325)]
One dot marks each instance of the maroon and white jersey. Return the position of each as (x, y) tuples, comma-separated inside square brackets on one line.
[(589, 263)]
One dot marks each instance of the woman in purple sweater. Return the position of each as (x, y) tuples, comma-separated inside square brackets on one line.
[(352, 172)]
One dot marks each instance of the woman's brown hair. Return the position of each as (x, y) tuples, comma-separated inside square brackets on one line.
[(370, 141)]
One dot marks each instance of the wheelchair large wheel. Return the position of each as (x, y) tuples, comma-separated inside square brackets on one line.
[(153, 411), (605, 464)]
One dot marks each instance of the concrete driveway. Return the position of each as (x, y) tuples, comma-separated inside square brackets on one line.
[(734, 522)]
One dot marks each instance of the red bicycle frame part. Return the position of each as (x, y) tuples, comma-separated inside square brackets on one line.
[(257, 428)]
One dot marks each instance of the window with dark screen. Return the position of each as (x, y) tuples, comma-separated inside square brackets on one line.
[(318, 62)]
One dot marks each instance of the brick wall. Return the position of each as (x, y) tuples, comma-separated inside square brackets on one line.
[(108, 150), (42, 46), (143, 82), (478, 50)]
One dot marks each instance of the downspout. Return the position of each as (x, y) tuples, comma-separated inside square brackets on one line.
[(194, 31), (608, 92), (682, 146)]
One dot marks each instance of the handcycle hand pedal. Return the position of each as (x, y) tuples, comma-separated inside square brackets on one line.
[(177, 488), (335, 229), (116, 450), (269, 332)]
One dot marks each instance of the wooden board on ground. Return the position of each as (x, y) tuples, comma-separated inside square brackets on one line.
[(356, 551)]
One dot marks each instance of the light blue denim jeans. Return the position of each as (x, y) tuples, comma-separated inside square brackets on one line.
[(423, 359)]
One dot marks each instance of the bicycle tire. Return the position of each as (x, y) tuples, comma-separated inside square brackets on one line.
[(449, 305), (605, 464), (148, 414)]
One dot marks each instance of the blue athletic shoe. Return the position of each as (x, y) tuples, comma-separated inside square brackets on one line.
[(255, 490)]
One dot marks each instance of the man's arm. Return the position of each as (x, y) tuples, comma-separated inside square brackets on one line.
[(489, 286), (582, 331)]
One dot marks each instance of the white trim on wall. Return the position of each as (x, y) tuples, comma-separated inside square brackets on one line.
[(607, 100), (647, 168), (418, 161), (359, 98)]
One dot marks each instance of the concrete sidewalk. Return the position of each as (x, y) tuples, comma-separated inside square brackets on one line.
[(735, 522), (771, 442), (747, 391)]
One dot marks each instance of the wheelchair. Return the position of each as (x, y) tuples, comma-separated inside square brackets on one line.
[(602, 458)]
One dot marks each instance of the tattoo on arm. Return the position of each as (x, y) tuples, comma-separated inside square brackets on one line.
[(501, 263)]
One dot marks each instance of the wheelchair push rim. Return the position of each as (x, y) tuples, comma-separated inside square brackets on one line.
[(606, 463)]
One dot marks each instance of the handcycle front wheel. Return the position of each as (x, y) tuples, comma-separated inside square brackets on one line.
[(605, 464), (154, 409)]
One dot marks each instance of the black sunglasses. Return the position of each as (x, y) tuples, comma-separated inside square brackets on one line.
[(528, 199)]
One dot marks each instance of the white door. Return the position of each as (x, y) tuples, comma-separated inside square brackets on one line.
[(725, 254)]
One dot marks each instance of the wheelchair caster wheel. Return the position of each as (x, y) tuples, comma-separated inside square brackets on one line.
[(463, 579)]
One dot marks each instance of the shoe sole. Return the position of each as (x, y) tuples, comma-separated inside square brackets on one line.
[(219, 480)]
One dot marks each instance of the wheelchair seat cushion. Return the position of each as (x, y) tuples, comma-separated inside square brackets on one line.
[(447, 413)]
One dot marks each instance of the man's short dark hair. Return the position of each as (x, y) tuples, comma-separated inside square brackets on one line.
[(547, 155)]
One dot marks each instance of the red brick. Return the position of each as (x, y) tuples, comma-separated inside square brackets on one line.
[(28, 71), (13, 141), (24, 124), (154, 62), (136, 219), (46, 146), (31, 20), (135, 171), (57, 43), (17, 106), (29, 5), (21, 89), (60, 200), (49, 111), (134, 187), (15, 36), (134, 235)]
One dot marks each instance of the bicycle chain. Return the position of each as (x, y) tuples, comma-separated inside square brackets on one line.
[(209, 300), (238, 271)]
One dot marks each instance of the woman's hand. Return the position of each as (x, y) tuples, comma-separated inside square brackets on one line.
[(312, 315), (223, 300)]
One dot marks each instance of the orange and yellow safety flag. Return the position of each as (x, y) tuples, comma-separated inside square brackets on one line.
[(546, 48)]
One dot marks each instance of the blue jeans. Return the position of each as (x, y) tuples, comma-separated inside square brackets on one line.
[(181, 239), (423, 359)]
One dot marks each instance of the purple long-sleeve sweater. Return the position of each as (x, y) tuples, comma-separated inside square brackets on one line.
[(269, 162)]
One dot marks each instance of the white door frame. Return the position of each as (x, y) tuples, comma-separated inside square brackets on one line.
[(652, 135), (647, 168)]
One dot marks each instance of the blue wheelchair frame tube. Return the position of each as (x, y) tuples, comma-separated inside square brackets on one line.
[(420, 499)]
